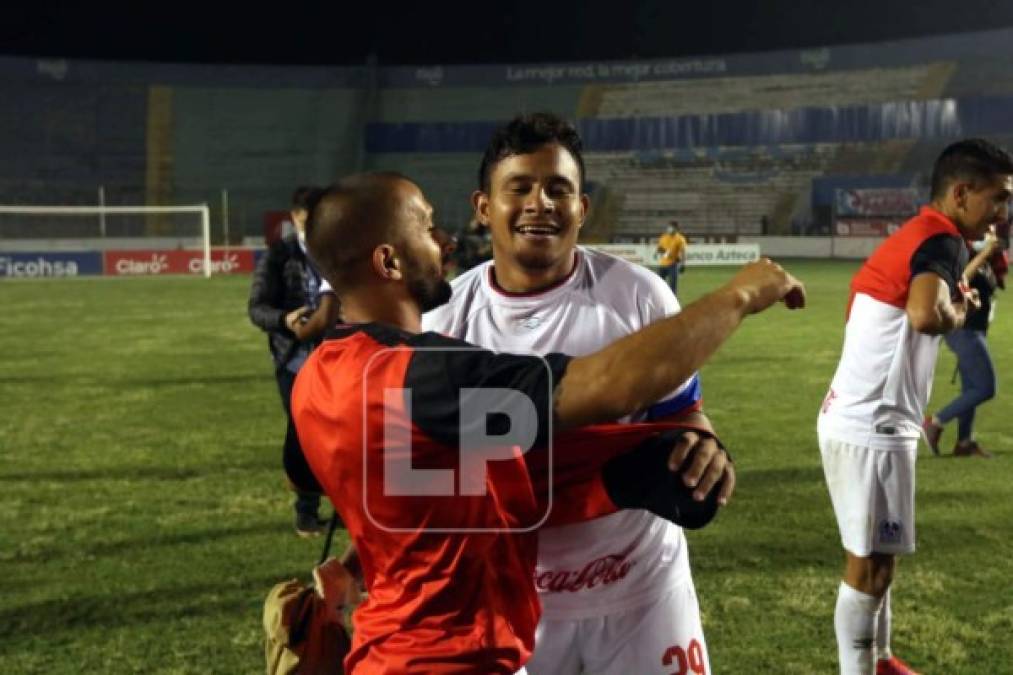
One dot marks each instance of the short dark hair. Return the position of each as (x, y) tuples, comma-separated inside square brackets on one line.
[(347, 219), (973, 159), (301, 197), (523, 135)]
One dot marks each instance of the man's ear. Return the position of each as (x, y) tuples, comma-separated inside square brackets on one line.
[(386, 263), (585, 208), (961, 190), (480, 203)]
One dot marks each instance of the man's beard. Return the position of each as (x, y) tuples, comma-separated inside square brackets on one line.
[(429, 293)]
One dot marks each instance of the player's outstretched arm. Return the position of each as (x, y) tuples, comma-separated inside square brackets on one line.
[(633, 372), (929, 307)]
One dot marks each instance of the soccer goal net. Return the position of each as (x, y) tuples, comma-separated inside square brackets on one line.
[(173, 239)]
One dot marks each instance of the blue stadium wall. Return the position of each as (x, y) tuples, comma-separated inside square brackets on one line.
[(719, 142)]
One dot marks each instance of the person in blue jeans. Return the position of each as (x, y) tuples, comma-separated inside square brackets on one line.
[(977, 373)]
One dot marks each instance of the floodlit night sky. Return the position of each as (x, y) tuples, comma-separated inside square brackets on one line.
[(434, 32)]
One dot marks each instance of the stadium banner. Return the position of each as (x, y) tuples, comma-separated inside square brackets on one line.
[(696, 254), (879, 202), (639, 254), (867, 227), (152, 262), (721, 254), (32, 264)]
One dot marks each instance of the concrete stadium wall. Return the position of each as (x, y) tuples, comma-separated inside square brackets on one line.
[(848, 248)]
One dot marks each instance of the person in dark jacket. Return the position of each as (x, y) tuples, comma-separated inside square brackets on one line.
[(294, 306)]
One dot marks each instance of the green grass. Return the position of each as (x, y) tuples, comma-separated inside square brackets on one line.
[(143, 513)]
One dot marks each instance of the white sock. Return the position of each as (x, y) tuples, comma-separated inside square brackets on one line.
[(883, 628), (855, 626)]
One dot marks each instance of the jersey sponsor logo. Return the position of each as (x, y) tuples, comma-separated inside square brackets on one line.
[(531, 322), (602, 571)]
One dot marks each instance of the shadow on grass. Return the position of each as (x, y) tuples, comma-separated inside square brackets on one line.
[(140, 382), (134, 608), (121, 546), (781, 478), (116, 473), (156, 473)]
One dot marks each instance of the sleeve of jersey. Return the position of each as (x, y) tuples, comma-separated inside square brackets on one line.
[(944, 255), (686, 399), (448, 376)]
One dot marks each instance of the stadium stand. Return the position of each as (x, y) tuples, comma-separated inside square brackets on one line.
[(763, 92), (721, 143)]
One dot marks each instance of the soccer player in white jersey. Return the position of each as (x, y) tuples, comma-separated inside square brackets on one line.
[(906, 295), (617, 594)]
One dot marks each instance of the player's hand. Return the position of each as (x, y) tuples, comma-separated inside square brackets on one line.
[(991, 241), (764, 282), (709, 464), (293, 318), (972, 298)]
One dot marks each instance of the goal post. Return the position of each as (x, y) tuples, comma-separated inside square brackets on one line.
[(101, 211)]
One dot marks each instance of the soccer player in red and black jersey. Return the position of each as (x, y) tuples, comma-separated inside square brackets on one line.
[(449, 567), (907, 294)]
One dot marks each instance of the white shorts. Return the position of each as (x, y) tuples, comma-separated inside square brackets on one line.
[(873, 492), (662, 637)]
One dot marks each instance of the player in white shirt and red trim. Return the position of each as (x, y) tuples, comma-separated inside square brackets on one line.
[(617, 593), (908, 293)]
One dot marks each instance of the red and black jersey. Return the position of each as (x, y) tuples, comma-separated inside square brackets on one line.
[(929, 242), (450, 591), (884, 378)]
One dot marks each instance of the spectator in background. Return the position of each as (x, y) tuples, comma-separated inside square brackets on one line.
[(290, 302), (977, 373), (474, 246), (672, 255), (1000, 261)]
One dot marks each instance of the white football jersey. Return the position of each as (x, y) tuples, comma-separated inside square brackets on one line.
[(882, 384), (884, 378), (625, 559)]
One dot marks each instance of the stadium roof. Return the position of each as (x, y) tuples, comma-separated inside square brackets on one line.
[(418, 33)]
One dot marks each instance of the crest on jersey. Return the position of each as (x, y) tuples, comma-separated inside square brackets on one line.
[(890, 531)]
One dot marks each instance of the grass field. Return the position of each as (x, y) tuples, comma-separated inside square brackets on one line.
[(143, 514)]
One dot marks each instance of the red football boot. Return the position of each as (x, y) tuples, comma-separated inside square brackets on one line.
[(893, 666)]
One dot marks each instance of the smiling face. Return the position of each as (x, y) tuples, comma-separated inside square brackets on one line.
[(534, 210)]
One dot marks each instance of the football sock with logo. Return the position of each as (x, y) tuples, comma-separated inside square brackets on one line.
[(883, 629), (855, 625)]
